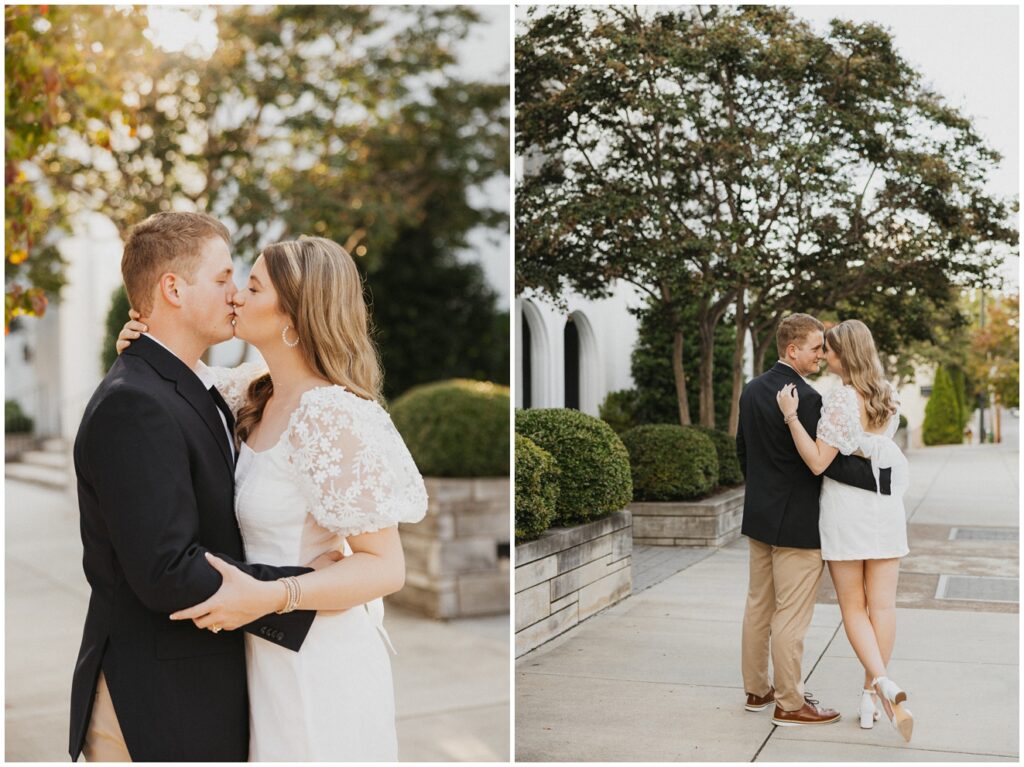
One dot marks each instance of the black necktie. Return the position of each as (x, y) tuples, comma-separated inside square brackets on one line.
[(218, 400)]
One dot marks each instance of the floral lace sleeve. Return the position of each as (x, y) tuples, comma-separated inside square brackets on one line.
[(840, 420), (355, 471), (233, 383)]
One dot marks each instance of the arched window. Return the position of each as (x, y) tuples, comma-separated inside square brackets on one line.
[(533, 366), (526, 344), (571, 346)]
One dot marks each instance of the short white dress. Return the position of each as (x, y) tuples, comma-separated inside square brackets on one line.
[(855, 523), (340, 469)]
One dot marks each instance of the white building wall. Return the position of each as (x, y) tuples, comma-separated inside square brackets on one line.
[(607, 333), (93, 253)]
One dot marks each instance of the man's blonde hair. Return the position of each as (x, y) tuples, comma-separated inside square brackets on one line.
[(794, 329), (165, 242)]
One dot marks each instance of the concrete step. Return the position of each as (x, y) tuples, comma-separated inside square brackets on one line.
[(44, 458), (55, 445), (39, 475)]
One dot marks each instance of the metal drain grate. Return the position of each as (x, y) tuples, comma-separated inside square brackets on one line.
[(983, 534), (973, 588)]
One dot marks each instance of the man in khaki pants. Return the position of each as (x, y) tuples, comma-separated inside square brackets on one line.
[(780, 519)]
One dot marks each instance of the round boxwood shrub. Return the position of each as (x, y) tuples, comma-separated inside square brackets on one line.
[(670, 462), (455, 428), (592, 462), (536, 489), (729, 471), (15, 420)]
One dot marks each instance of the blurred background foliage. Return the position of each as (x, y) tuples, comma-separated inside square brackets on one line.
[(347, 122)]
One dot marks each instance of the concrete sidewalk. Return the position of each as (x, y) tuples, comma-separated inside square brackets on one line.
[(657, 677), (451, 679)]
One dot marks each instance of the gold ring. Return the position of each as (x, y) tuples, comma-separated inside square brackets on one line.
[(214, 629)]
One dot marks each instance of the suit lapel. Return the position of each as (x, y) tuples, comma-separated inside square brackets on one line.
[(188, 386)]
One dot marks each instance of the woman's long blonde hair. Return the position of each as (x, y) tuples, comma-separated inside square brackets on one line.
[(852, 342), (319, 288)]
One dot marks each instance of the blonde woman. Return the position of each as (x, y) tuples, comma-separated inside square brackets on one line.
[(863, 533), (320, 468)]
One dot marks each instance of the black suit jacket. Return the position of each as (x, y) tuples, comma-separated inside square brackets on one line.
[(155, 492), (780, 506)]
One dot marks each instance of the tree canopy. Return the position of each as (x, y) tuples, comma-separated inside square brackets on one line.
[(346, 122), (733, 157)]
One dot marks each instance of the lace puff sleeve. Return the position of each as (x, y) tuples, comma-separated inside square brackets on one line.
[(233, 383), (354, 469), (840, 420)]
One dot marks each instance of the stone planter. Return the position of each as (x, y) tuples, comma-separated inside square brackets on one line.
[(713, 521), (457, 557), (568, 574)]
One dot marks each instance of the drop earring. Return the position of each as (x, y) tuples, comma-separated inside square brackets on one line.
[(284, 337)]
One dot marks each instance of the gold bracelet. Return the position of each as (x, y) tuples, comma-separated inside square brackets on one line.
[(790, 418), (290, 591)]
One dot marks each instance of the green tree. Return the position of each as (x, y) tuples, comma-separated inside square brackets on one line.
[(346, 122), (732, 157), (942, 414), (62, 88), (993, 358), (117, 316), (650, 364), (435, 317)]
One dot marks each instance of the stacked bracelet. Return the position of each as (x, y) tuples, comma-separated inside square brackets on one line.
[(790, 418), (294, 591)]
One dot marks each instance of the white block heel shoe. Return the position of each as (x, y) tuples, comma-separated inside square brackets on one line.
[(868, 713), (892, 699)]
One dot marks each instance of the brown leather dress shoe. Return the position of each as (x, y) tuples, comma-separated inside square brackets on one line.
[(760, 702), (809, 714)]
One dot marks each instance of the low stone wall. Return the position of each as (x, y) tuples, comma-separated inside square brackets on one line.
[(713, 521), (457, 557), (569, 574)]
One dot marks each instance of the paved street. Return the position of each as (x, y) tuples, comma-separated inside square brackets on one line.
[(451, 678), (657, 677)]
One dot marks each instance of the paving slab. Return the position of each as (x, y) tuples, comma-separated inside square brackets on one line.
[(819, 751), (661, 650), (627, 721), (958, 707)]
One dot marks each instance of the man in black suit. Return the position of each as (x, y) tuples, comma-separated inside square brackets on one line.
[(780, 519), (155, 462)]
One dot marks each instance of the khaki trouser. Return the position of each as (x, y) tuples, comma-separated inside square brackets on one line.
[(780, 603), (103, 740)]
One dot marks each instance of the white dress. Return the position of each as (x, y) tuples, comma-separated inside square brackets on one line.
[(340, 468), (856, 523)]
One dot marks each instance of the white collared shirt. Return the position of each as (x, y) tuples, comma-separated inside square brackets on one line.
[(205, 375)]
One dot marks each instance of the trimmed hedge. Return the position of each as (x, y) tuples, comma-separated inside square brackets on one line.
[(619, 410), (729, 471), (455, 428), (536, 489), (593, 464), (670, 462), (15, 420)]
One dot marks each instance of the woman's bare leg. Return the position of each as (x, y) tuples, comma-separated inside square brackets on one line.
[(881, 577), (848, 578)]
